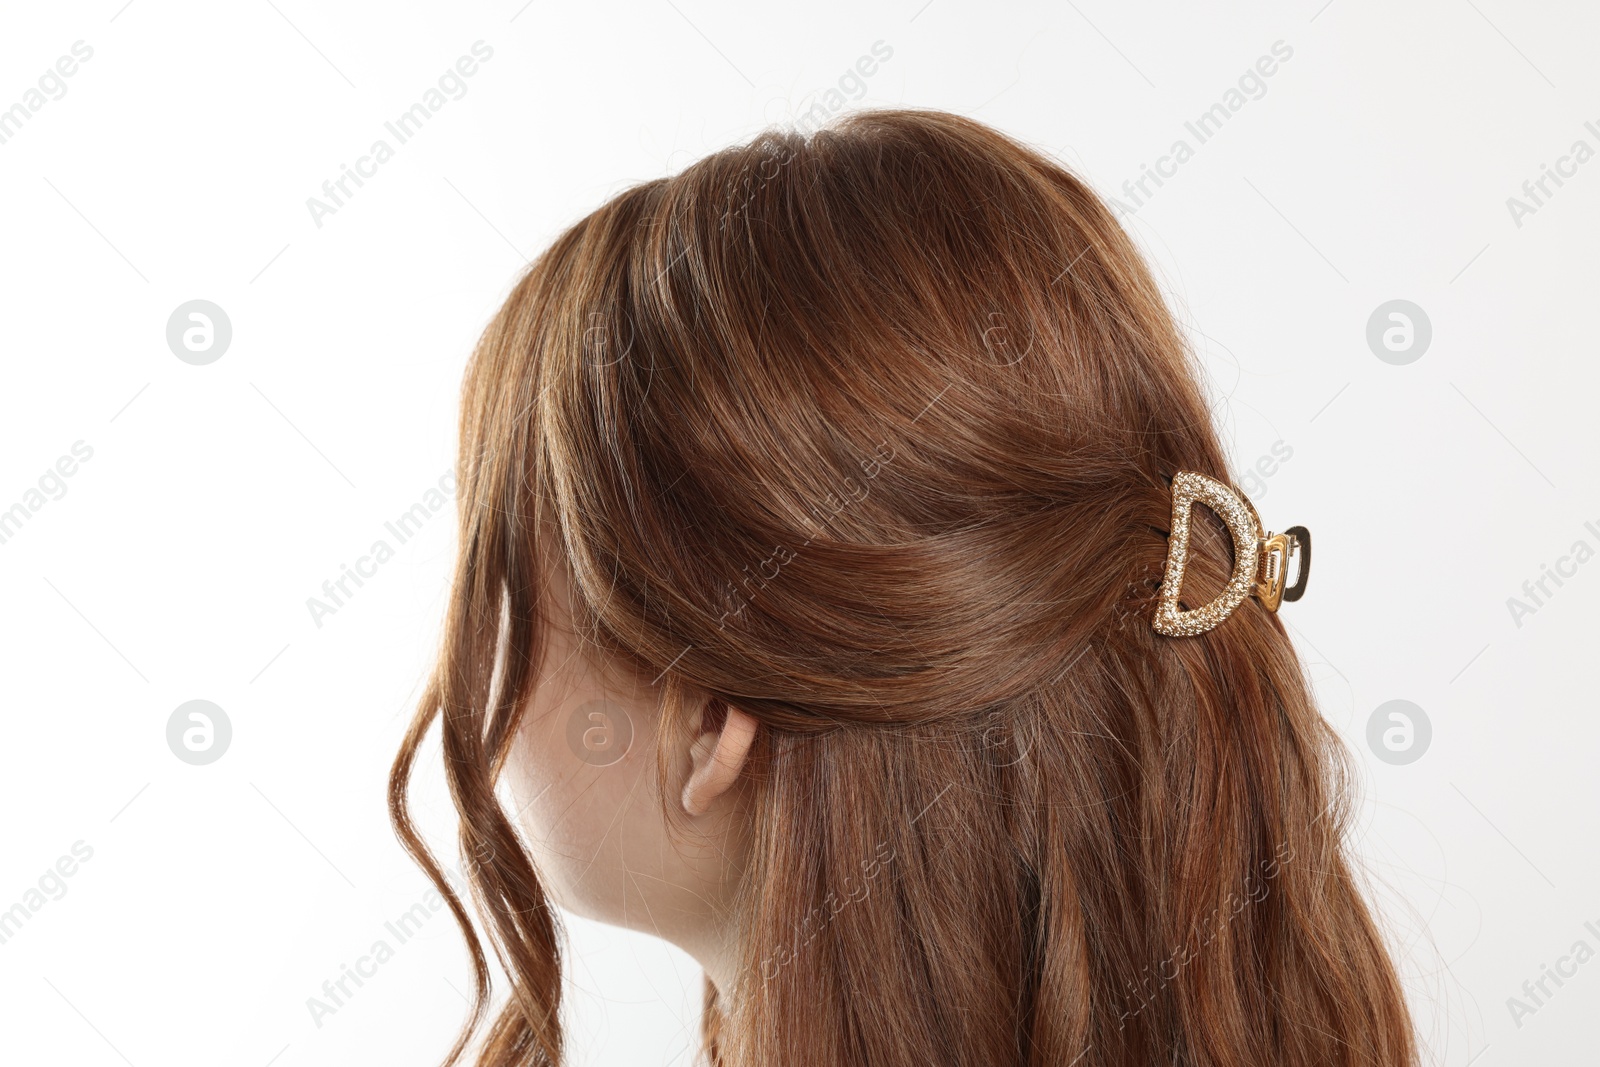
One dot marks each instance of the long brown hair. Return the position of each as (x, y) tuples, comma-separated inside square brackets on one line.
[(870, 434)]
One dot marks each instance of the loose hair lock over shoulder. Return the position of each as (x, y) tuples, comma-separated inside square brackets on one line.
[(915, 376)]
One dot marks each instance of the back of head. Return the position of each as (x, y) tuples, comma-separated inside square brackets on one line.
[(870, 434)]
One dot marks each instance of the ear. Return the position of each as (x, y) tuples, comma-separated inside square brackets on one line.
[(716, 758)]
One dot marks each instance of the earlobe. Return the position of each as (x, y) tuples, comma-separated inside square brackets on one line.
[(717, 757)]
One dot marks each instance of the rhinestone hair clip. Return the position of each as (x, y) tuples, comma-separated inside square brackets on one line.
[(1260, 560)]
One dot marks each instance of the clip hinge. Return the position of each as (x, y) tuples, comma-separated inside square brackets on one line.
[(1271, 578)]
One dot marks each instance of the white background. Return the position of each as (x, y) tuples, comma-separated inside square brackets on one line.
[(1376, 165)]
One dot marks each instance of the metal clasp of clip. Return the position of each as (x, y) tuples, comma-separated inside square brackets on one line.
[(1276, 552)]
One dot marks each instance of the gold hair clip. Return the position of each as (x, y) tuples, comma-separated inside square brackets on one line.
[(1260, 561)]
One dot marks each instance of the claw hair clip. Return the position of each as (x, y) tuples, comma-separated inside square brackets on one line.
[(1260, 560)]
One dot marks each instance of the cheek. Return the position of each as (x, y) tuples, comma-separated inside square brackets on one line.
[(585, 802)]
